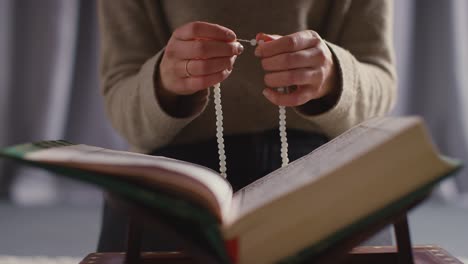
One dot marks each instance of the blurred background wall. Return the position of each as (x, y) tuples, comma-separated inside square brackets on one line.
[(49, 86), (431, 41), (49, 89)]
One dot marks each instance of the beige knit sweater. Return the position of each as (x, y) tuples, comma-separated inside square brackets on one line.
[(134, 33)]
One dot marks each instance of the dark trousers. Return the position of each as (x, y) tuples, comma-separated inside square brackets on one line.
[(249, 157)]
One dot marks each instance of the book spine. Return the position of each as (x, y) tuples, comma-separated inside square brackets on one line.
[(232, 248)]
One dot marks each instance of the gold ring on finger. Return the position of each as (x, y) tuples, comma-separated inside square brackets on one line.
[(187, 73)]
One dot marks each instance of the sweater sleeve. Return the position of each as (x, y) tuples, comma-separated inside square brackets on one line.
[(132, 45), (363, 53)]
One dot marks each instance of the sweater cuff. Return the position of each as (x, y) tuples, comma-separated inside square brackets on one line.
[(339, 117), (152, 109)]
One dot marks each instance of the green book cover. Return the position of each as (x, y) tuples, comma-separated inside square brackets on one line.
[(200, 226), (187, 217), (383, 213)]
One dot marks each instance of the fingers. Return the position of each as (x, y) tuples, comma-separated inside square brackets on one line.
[(290, 43), (204, 67), (202, 49), (196, 83), (197, 56), (309, 58), (301, 59), (303, 76), (266, 37), (191, 85), (299, 97), (203, 30)]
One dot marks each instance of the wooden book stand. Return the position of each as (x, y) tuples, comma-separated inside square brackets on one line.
[(344, 252)]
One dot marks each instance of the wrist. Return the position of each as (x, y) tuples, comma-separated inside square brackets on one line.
[(321, 105), (179, 106), (332, 86), (167, 99)]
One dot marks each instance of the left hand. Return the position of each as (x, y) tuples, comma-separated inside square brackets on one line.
[(302, 59)]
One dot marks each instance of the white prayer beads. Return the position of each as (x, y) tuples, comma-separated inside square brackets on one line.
[(283, 136), (219, 122), (219, 129)]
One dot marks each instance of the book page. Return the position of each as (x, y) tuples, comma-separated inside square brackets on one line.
[(321, 161), (130, 164)]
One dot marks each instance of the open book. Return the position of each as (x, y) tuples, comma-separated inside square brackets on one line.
[(369, 171)]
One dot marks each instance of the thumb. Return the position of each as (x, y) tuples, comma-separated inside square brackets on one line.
[(263, 37)]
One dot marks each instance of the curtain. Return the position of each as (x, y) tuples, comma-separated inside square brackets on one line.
[(431, 38), (5, 18), (49, 88), (49, 85)]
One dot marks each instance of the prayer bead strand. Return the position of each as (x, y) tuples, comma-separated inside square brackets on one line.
[(282, 114), (219, 130), (283, 136), (219, 123)]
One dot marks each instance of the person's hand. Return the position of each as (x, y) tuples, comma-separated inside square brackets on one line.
[(301, 59), (197, 56)]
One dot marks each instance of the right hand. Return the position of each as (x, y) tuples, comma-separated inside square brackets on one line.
[(197, 56)]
